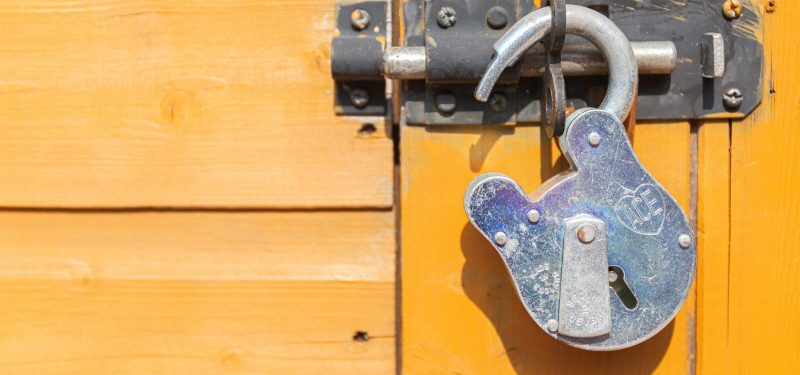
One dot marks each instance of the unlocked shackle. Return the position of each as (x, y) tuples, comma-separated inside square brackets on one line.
[(581, 21)]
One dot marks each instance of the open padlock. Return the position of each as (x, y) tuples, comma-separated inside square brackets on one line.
[(601, 256)]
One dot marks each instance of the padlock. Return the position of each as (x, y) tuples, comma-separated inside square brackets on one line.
[(602, 256)]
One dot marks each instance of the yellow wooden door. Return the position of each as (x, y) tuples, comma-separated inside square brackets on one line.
[(739, 181), (178, 196)]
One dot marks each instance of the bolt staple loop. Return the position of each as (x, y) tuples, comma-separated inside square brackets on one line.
[(554, 97)]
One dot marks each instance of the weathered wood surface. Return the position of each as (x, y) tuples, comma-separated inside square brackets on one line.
[(179, 104), (459, 309), (763, 328), (192, 132), (713, 241), (279, 293)]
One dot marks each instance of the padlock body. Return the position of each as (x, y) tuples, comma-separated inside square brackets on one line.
[(645, 233)]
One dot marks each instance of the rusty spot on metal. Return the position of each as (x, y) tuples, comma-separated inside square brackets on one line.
[(732, 8)]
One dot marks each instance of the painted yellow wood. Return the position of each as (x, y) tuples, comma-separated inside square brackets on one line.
[(713, 236), (764, 312), (179, 103), (197, 292), (460, 313)]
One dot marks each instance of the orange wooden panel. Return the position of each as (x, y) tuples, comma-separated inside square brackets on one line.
[(713, 239), (197, 292), (764, 312), (460, 313), (179, 103)]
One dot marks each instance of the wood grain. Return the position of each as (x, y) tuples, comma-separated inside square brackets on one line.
[(764, 314), (197, 292), (179, 104), (460, 311), (713, 240)]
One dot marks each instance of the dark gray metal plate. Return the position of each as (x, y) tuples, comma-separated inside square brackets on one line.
[(357, 59), (684, 94)]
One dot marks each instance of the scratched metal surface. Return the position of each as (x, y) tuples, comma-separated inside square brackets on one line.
[(608, 182)]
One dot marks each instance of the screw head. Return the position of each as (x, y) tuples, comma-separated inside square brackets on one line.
[(359, 19), (733, 98), (594, 139), (497, 18), (500, 238), (612, 276), (685, 241), (732, 9), (446, 17), (359, 98), (552, 325), (587, 233), (534, 216), (498, 102), (446, 102)]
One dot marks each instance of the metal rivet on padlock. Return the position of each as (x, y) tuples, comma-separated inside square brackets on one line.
[(614, 258)]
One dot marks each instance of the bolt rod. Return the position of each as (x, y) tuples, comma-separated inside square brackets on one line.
[(581, 59)]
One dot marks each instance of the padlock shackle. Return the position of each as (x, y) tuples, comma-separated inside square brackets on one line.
[(582, 21)]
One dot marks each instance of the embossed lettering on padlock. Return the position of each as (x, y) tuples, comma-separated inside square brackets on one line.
[(602, 256)]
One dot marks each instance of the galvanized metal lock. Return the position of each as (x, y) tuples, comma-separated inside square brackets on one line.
[(602, 256)]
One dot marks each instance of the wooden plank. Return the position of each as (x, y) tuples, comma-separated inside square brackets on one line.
[(460, 311), (305, 246), (197, 292), (179, 104), (713, 239), (765, 211)]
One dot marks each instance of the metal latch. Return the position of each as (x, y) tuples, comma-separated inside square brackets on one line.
[(695, 60)]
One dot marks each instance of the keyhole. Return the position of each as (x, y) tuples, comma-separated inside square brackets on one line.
[(616, 279)]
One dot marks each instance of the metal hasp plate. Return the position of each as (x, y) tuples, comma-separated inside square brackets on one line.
[(718, 70), (357, 58), (651, 253), (584, 306)]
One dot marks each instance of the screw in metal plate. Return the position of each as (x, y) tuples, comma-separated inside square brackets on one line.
[(612, 276), (733, 98), (359, 98), (594, 139), (534, 216), (685, 241), (359, 19), (732, 9), (500, 238), (498, 102), (552, 325), (445, 102), (587, 233), (446, 17), (497, 18)]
